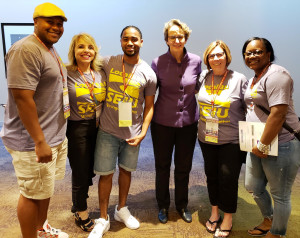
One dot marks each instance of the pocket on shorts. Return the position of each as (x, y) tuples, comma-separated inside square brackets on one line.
[(30, 184), (28, 176)]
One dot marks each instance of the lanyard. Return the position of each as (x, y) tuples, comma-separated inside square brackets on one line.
[(259, 76), (54, 56), (129, 76), (91, 89), (212, 89)]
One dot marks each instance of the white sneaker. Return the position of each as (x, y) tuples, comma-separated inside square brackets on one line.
[(123, 215), (101, 226), (49, 231)]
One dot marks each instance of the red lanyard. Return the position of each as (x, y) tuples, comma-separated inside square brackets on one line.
[(212, 88), (259, 76), (129, 76), (91, 89), (53, 55)]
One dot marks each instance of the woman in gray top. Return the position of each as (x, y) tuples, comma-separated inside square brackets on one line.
[(86, 92), (221, 103), (272, 88)]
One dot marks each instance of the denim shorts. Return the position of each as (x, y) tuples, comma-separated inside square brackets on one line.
[(110, 148)]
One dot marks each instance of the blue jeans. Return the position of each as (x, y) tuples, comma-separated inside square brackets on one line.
[(110, 150), (280, 172)]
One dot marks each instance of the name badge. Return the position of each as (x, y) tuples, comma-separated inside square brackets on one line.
[(125, 114), (66, 104), (211, 129)]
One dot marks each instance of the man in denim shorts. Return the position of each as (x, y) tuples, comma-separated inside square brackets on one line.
[(123, 125), (34, 130)]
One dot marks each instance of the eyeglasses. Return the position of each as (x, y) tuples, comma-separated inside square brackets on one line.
[(219, 55), (254, 53), (173, 38)]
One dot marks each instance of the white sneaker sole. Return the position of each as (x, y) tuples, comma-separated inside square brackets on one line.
[(128, 226)]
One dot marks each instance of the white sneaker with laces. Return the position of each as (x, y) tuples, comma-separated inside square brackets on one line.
[(101, 226), (49, 231), (123, 215)]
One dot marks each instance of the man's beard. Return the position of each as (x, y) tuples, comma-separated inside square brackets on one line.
[(130, 55), (133, 54)]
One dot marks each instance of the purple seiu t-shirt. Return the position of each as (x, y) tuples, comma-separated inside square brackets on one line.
[(176, 104)]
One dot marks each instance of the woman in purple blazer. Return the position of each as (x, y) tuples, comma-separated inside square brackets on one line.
[(174, 123)]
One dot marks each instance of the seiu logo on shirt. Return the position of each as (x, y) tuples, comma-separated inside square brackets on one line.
[(87, 109), (99, 90), (223, 87), (220, 112), (131, 93)]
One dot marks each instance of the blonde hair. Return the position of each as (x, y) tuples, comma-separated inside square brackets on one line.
[(187, 31), (96, 63), (211, 47)]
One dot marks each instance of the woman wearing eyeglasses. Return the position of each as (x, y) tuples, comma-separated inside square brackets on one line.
[(221, 106), (174, 123), (272, 88)]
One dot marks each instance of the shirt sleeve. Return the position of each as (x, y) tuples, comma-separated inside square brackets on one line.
[(103, 85), (105, 64), (24, 69), (244, 85), (151, 85), (198, 77), (278, 87), (203, 75)]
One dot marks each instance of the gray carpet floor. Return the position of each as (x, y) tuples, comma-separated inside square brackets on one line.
[(141, 202)]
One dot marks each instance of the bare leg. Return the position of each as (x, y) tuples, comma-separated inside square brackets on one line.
[(227, 221), (83, 215), (104, 189), (43, 212), (124, 185), (28, 211)]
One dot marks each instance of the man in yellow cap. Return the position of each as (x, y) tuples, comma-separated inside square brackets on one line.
[(34, 130)]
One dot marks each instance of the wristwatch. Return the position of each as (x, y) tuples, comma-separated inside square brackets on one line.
[(263, 148)]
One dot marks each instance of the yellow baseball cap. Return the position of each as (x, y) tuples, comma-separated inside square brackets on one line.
[(48, 9)]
